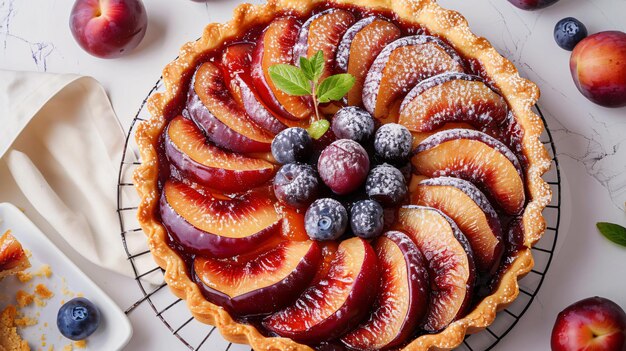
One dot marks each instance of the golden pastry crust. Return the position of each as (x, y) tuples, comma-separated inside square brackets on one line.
[(13, 258), (520, 93)]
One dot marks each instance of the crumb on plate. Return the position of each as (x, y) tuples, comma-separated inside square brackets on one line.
[(80, 344), (25, 321), (42, 291), (9, 339), (44, 271), (24, 276), (23, 298)]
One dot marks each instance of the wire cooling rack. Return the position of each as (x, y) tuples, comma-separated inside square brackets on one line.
[(198, 336)]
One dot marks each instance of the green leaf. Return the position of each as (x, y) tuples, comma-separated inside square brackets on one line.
[(306, 67), (614, 232), (335, 87), (290, 79), (317, 65), (318, 128), (313, 68)]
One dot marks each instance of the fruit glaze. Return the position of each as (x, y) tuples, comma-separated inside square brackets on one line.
[(406, 225)]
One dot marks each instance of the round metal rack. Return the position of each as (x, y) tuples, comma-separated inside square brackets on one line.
[(198, 336)]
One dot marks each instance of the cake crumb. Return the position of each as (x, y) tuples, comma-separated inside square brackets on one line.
[(39, 302), (67, 347), (24, 277), (80, 294), (25, 321), (23, 298), (44, 271), (8, 330), (80, 344), (43, 291)]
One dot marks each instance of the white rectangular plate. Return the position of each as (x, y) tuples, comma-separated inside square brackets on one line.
[(66, 281)]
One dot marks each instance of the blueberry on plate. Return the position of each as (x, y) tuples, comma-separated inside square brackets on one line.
[(78, 318), (387, 185), (393, 142), (367, 219), (568, 32), (292, 145), (326, 219), (296, 185), (353, 123)]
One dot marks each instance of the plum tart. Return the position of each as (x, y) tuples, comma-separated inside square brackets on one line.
[(13, 258), (404, 222)]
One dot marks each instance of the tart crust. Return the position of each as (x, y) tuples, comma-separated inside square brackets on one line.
[(520, 94)]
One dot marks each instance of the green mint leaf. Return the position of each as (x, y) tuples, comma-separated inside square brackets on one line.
[(290, 79), (614, 232), (317, 65), (318, 128), (334, 87), (306, 67)]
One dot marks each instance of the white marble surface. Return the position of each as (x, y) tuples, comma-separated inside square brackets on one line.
[(591, 140)]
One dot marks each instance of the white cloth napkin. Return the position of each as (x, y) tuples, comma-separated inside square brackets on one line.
[(63, 144)]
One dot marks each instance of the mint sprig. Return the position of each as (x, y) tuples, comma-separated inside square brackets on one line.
[(614, 232), (305, 80)]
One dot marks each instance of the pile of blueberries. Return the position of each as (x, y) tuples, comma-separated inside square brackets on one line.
[(342, 183)]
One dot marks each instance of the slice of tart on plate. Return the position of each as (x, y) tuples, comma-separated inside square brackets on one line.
[(13, 258), (390, 237), (43, 289)]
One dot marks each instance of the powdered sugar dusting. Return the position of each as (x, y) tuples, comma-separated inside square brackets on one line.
[(353, 123), (296, 184), (386, 182), (469, 189), (423, 57), (343, 51), (256, 111), (302, 43), (455, 134), (452, 97), (393, 142)]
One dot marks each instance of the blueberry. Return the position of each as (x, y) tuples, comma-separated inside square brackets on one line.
[(367, 219), (292, 145), (568, 32), (326, 219), (387, 185), (353, 123), (296, 185), (78, 318), (393, 143)]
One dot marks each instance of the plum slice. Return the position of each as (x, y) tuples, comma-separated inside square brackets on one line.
[(452, 97), (214, 110), (261, 283), (217, 226), (275, 46), (470, 209), (402, 299), (475, 157), (449, 260), (358, 49), (400, 66), (323, 31), (335, 304), (187, 149), (236, 61)]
